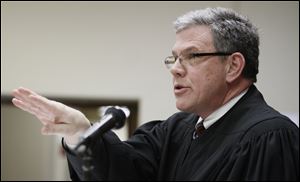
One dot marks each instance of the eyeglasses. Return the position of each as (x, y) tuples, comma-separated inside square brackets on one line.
[(191, 59)]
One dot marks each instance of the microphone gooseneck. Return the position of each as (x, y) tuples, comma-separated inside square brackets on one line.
[(114, 118)]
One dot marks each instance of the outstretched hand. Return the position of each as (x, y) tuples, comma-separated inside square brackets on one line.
[(57, 118)]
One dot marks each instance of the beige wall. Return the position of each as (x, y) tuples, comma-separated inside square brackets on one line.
[(116, 49), (25, 153)]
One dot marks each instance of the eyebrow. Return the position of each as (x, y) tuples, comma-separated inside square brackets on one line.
[(188, 49)]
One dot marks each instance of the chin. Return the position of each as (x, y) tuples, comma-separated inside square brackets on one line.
[(183, 107)]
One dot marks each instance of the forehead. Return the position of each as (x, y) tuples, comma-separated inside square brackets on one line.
[(193, 38)]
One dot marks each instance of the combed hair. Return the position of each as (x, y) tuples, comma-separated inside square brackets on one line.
[(231, 32)]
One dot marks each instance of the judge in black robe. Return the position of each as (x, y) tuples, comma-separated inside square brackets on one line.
[(252, 141)]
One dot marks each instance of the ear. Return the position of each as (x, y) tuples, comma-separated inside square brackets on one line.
[(235, 65)]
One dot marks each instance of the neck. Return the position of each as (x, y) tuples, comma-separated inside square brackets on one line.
[(235, 89)]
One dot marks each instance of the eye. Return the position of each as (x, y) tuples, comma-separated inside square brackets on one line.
[(193, 55)]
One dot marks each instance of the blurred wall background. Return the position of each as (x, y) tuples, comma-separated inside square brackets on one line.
[(116, 50)]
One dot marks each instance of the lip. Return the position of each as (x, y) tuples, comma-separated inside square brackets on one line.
[(180, 89)]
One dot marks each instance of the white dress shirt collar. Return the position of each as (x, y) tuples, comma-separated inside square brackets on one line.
[(217, 114)]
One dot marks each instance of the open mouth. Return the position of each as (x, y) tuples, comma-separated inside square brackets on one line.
[(180, 89)]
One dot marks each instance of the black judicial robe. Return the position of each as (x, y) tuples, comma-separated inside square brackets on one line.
[(251, 141)]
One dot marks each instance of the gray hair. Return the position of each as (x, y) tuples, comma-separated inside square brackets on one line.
[(231, 33)]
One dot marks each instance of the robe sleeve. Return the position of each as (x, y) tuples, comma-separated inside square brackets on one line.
[(135, 159), (264, 155)]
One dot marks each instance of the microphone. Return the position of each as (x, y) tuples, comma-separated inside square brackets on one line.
[(114, 117)]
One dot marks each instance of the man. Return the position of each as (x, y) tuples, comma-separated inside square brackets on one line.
[(225, 131)]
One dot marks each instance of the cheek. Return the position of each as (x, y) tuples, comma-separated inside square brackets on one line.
[(209, 80), (215, 73)]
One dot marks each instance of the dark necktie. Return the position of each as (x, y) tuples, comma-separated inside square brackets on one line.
[(199, 130)]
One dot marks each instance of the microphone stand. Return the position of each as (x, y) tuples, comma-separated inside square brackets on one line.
[(85, 153), (115, 118)]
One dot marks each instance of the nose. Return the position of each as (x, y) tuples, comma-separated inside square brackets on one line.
[(178, 70)]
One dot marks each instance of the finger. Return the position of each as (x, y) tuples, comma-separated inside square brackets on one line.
[(26, 91), (17, 94), (54, 110), (24, 97), (22, 93), (41, 116), (45, 105), (22, 105), (28, 97)]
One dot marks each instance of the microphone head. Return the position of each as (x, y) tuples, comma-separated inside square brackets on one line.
[(120, 114), (124, 109)]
